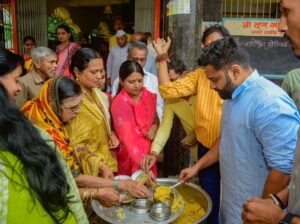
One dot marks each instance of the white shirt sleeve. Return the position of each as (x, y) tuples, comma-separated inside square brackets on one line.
[(159, 106), (115, 87), (151, 84)]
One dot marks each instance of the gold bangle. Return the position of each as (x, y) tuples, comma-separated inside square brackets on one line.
[(86, 195), (94, 191)]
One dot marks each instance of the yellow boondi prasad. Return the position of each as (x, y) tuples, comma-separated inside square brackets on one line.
[(162, 193), (142, 178), (120, 214), (177, 203), (193, 211)]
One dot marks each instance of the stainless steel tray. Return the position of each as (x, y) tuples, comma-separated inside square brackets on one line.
[(110, 214)]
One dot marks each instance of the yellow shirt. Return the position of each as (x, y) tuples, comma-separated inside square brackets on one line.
[(185, 111), (113, 40), (208, 104)]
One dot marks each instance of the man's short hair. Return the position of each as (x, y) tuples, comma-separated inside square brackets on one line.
[(41, 52), (139, 45), (177, 65), (215, 28), (223, 53)]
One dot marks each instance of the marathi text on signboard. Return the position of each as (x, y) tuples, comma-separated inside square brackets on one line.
[(253, 27)]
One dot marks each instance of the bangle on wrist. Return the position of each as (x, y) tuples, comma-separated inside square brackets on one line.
[(154, 154), (86, 195), (276, 200), (94, 191)]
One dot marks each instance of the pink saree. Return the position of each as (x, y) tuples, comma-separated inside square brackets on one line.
[(131, 122), (64, 57)]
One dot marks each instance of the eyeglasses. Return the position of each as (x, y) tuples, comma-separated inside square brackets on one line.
[(72, 109)]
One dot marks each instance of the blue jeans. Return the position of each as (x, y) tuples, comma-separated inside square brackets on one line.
[(209, 179)]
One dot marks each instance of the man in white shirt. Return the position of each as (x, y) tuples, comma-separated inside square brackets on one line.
[(118, 54), (150, 65), (138, 52)]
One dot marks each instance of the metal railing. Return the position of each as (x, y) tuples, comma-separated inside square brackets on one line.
[(251, 9)]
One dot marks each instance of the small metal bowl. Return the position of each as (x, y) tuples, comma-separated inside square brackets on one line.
[(141, 206), (140, 176), (160, 212), (125, 197)]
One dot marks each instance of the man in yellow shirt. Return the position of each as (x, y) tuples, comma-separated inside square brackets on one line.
[(207, 117), (118, 25), (184, 108)]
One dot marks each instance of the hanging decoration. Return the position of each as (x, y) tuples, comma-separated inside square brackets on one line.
[(62, 16)]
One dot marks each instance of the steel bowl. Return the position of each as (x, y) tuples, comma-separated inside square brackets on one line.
[(124, 196), (140, 176), (141, 206), (160, 212)]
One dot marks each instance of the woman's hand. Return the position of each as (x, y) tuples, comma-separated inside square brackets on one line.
[(161, 46), (151, 181), (147, 162), (107, 197), (106, 172), (134, 188), (113, 142), (152, 132), (187, 173)]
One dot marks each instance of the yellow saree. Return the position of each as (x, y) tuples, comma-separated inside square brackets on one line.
[(90, 132), (40, 111)]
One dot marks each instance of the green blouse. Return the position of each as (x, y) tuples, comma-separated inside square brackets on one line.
[(17, 205)]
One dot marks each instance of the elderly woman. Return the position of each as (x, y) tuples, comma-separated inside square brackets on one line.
[(36, 185), (58, 104)]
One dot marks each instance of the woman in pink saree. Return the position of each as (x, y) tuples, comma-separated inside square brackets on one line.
[(65, 50), (134, 118)]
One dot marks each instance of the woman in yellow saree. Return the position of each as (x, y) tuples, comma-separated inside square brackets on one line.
[(90, 133), (58, 104)]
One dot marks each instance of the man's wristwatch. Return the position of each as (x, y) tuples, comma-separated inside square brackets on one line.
[(287, 219)]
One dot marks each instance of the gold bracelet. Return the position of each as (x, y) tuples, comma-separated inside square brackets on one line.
[(94, 191), (85, 195)]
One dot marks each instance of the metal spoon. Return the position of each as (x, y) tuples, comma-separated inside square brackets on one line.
[(176, 185)]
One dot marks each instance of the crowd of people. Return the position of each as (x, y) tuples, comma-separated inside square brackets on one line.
[(69, 126)]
